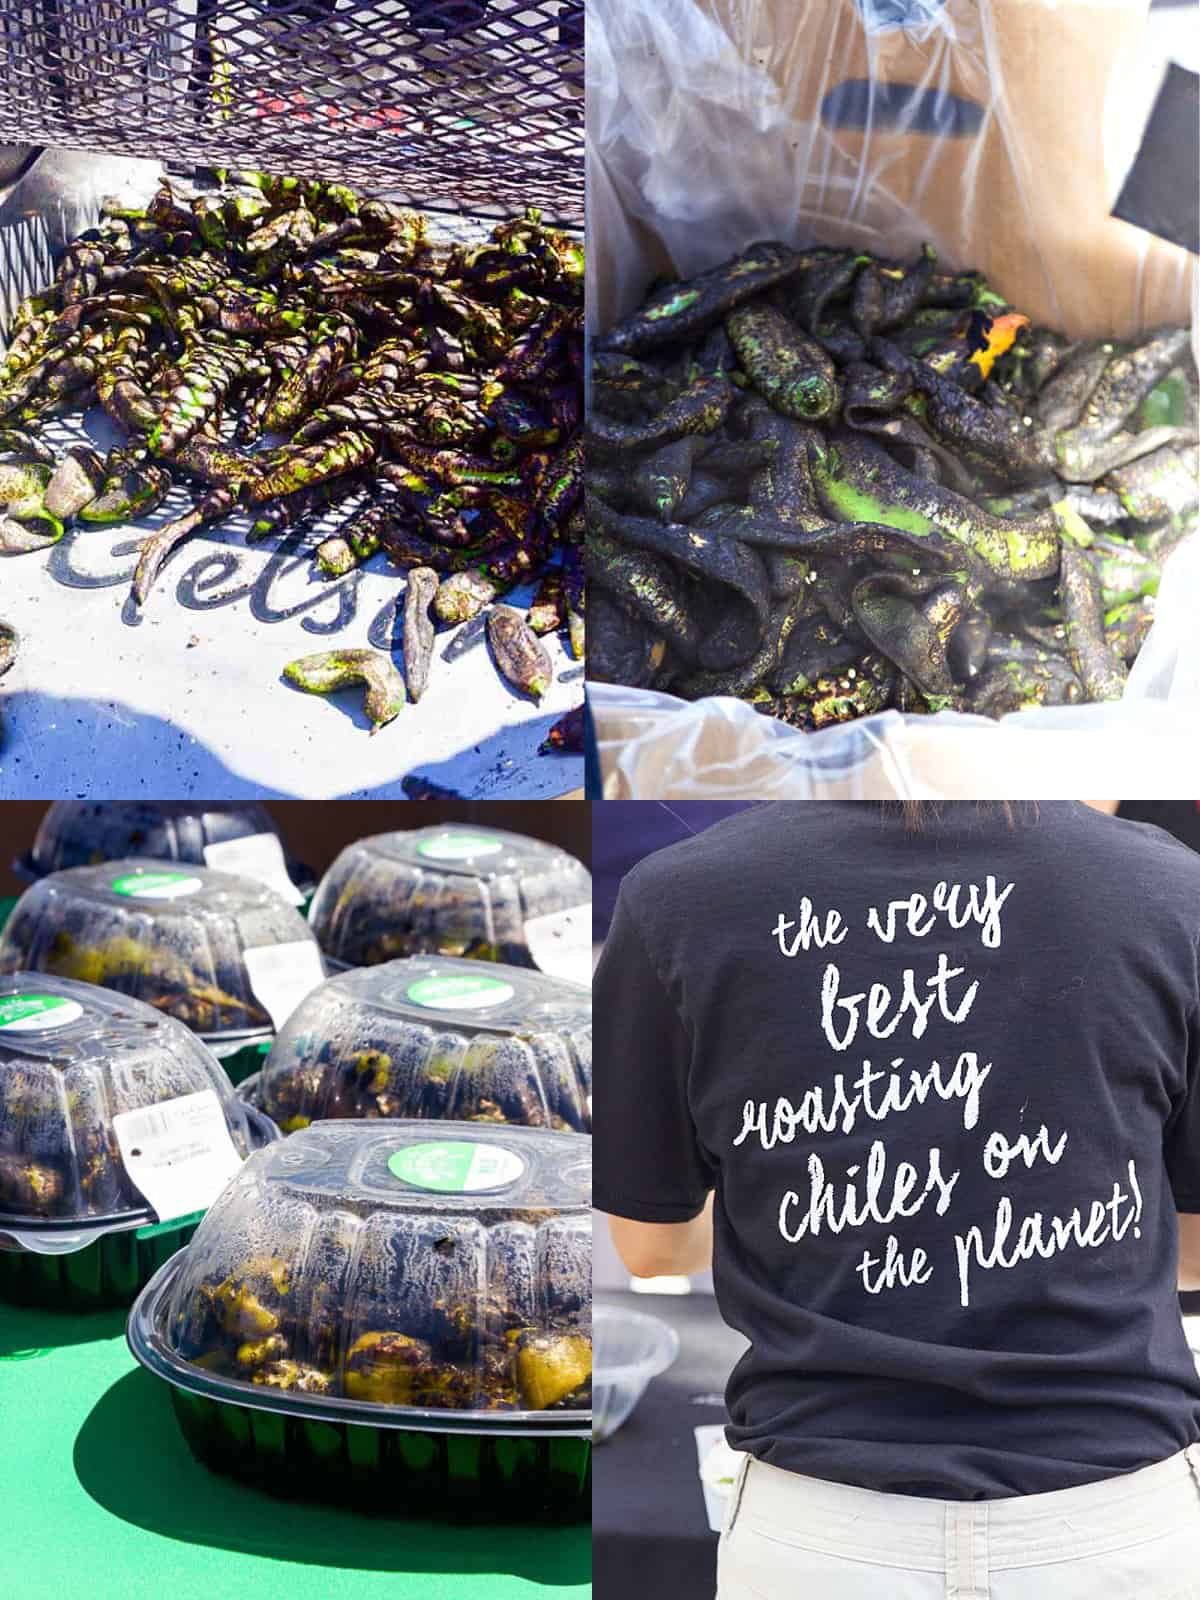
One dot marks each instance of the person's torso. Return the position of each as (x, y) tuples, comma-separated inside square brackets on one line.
[(933, 1072)]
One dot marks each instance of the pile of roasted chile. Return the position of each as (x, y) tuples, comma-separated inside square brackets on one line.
[(830, 484), (288, 347)]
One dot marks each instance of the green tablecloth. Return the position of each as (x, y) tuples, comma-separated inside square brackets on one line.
[(103, 1500)]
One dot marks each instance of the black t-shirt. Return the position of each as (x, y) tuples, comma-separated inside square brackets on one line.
[(944, 1084)]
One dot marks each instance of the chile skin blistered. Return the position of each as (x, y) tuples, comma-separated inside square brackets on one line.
[(907, 459)]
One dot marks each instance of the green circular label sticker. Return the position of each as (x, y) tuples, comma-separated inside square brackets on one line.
[(36, 1013), (156, 885), (457, 1167), (466, 993), (459, 846)]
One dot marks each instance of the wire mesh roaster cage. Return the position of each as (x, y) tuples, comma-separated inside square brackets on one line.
[(455, 105)]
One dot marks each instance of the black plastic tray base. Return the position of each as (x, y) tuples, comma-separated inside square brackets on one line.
[(395, 1472), (109, 1272)]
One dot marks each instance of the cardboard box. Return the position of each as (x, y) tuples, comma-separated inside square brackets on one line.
[(1001, 132)]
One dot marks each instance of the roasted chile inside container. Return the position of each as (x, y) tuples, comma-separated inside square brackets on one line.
[(830, 483), (395, 1316)]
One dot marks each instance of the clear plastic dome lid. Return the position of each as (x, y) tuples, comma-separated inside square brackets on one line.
[(238, 838), (455, 890), (224, 955), (77, 1064), (434, 1037), (390, 1270)]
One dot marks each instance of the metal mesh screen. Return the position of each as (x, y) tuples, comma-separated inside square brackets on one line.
[(470, 105)]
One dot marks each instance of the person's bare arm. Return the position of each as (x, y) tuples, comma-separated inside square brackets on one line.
[(666, 1249), (1189, 1250)]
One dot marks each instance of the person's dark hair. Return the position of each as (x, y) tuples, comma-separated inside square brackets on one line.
[(921, 814)]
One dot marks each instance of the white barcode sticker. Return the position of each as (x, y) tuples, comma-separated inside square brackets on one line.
[(561, 943), (259, 856), (178, 1152), (281, 975)]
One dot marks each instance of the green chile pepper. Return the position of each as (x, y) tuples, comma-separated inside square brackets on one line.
[(648, 586), (827, 274), (728, 562), (218, 503), (1126, 627), (912, 632), (787, 367), (857, 482), (680, 310), (1127, 378), (1162, 484), (661, 481), (815, 648), (699, 409), (463, 595), (329, 671), (519, 654), (703, 493), (624, 647), (1001, 441), (886, 296), (741, 678), (548, 608), (575, 587), (1060, 402), (1006, 686), (419, 634), (76, 482)]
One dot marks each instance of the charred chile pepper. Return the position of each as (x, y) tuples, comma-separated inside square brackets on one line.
[(1098, 668), (787, 368), (700, 409), (648, 586), (680, 310), (855, 480), (298, 309), (419, 633), (519, 653), (575, 584), (332, 670), (626, 649), (728, 562), (1016, 497), (463, 595), (1127, 378), (548, 610)]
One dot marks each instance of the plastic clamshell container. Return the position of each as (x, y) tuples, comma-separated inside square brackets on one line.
[(392, 1316), (180, 937), (433, 1037), (452, 891), (74, 1228), (631, 1348), (81, 833)]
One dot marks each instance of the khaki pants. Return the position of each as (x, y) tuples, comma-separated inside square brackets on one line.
[(1135, 1537)]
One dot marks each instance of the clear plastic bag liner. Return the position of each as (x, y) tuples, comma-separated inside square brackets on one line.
[(999, 132)]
